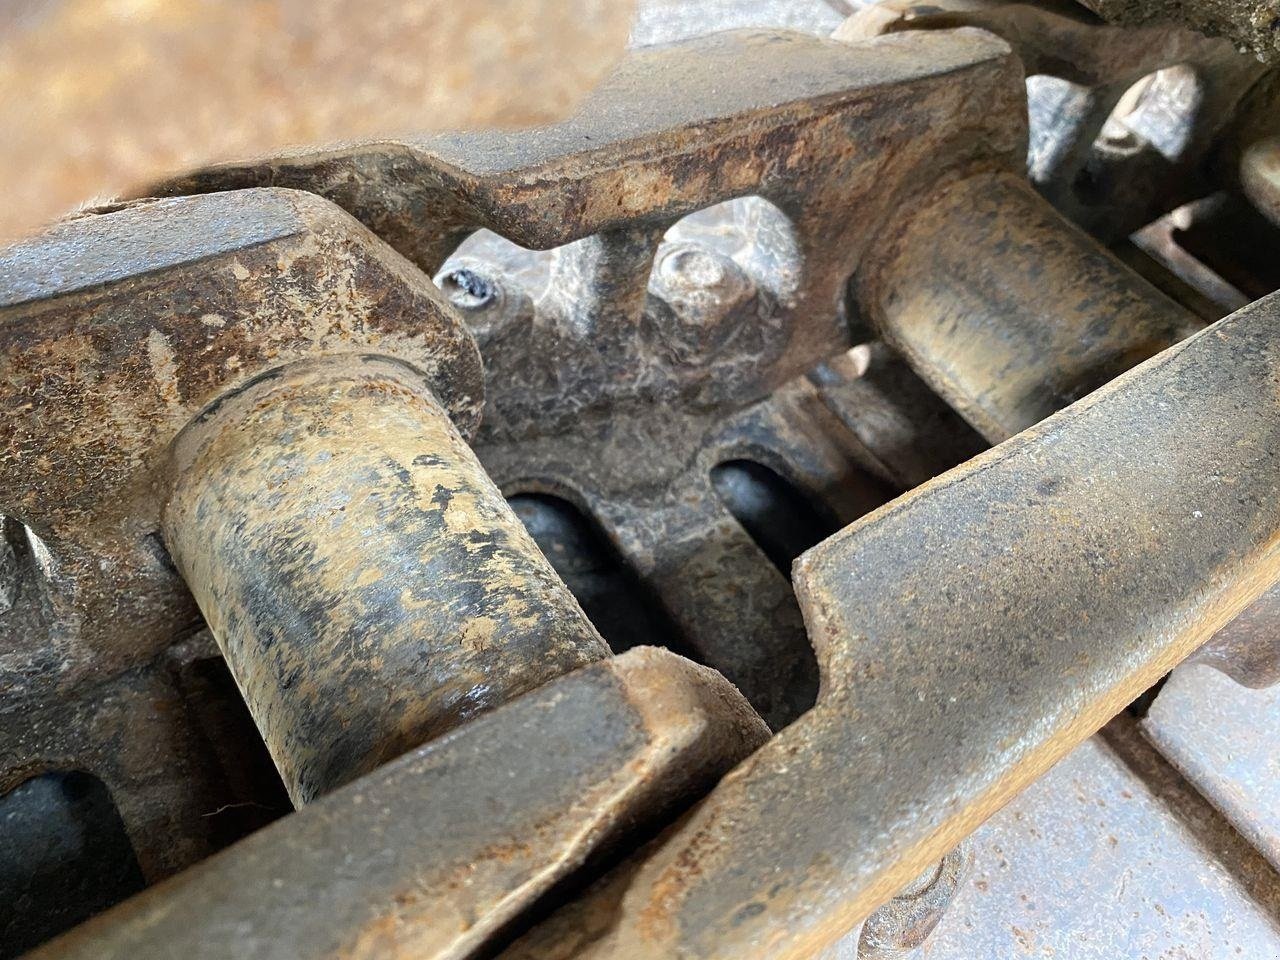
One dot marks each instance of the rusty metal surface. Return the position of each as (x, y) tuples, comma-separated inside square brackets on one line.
[(1006, 310), (98, 97), (910, 917), (786, 117), (117, 330), (368, 584), (1248, 648), (908, 434), (1250, 24), (699, 315), (1222, 737), (434, 852), (133, 733), (171, 743), (1057, 39), (1123, 120), (730, 605), (648, 363), (1155, 252), (956, 664)]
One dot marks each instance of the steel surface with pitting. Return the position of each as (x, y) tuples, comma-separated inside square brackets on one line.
[(248, 401), (118, 330), (575, 368), (957, 664), (1134, 121), (368, 584), (581, 344), (429, 855)]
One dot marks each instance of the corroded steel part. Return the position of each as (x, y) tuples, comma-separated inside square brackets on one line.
[(1247, 23), (431, 854), (727, 601), (369, 586), (583, 343), (900, 427), (1049, 36), (1115, 143), (134, 733), (115, 331), (906, 921), (1009, 312), (957, 664), (804, 123)]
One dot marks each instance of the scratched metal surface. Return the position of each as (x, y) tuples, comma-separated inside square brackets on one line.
[(956, 663), (1094, 862), (1225, 738), (1191, 941)]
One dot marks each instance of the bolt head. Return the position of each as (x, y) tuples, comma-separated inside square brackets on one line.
[(469, 290), (703, 285), (693, 268)]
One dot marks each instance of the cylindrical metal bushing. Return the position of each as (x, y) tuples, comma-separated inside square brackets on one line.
[(1007, 310), (367, 582)]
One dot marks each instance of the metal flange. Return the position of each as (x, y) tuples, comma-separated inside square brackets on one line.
[(116, 331), (431, 854), (970, 634)]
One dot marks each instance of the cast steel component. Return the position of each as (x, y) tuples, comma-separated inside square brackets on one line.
[(1248, 23), (579, 355), (581, 344), (1248, 648), (1103, 856), (956, 669), (1123, 119), (260, 401), (117, 330), (906, 921), (981, 334), (366, 581), (430, 854), (120, 329), (1008, 368)]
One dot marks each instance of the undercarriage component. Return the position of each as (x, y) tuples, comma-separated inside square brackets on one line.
[(1260, 176), (763, 284), (1250, 23), (432, 853), (119, 330), (1126, 123), (978, 338), (945, 651), (109, 353), (367, 583), (583, 349), (707, 334)]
